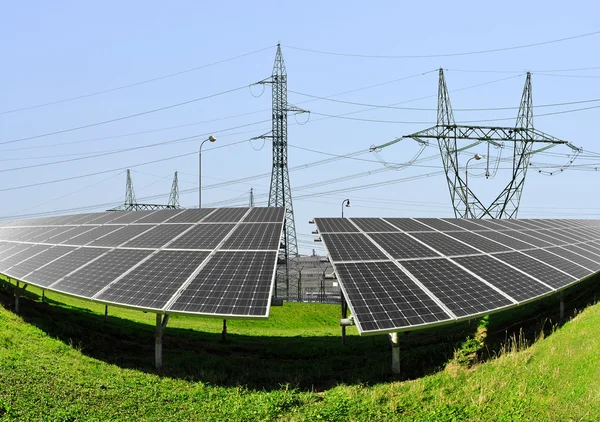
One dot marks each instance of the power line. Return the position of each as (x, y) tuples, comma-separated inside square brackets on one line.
[(170, 75), (123, 117), (427, 56)]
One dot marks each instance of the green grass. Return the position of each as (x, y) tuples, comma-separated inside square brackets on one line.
[(60, 361)]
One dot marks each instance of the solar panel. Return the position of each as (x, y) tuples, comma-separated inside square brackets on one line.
[(254, 236), (155, 281), (467, 267), (191, 216), (445, 244), (374, 225), (335, 225), (231, 283), (537, 268), (408, 225), (147, 259), (265, 215), (202, 236), (351, 247), (383, 298), (402, 246), (461, 292), (517, 285), (62, 266), (90, 279), (226, 215), (118, 237), (157, 236)]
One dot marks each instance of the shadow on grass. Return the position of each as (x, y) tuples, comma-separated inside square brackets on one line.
[(268, 362)]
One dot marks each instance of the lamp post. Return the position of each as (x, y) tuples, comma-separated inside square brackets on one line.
[(475, 157), (211, 139), (347, 202)]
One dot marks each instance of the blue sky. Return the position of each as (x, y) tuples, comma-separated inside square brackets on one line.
[(59, 50)]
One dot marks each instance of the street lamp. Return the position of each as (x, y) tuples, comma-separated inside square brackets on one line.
[(347, 202), (211, 139), (476, 157)]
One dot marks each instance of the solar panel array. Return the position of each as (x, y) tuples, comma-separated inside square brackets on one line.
[(400, 274), (217, 262)]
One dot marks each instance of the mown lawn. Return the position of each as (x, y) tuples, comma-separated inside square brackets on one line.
[(60, 361)]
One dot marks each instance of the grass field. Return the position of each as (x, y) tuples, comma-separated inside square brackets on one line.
[(60, 361)]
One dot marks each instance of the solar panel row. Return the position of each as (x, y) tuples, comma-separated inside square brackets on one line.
[(217, 262), (398, 273)]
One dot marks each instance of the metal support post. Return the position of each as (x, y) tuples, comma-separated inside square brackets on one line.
[(17, 294), (395, 353), (344, 316), (562, 306), (160, 328), (105, 314), (224, 332)]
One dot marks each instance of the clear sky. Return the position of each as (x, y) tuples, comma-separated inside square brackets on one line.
[(54, 51)]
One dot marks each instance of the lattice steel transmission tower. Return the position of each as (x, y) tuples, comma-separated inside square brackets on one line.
[(131, 203), (174, 196), (280, 193), (523, 135)]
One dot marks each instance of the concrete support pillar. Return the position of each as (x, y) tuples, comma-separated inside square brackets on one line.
[(224, 332), (395, 353), (161, 323), (562, 306)]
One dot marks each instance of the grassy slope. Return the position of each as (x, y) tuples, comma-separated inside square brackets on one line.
[(105, 373)]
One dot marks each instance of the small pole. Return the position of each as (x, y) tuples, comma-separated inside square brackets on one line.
[(344, 316), (562, 306), (105, 314), (17, 295), (395, 353), (224, 332), (160, 328), (43, 294)]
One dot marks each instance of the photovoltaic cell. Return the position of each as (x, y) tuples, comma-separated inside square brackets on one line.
[(91, 234), (531, 238), (537, 269), (402, 246), (445, 244), (65, 236), (158, 236), (191, 216), (121, 236), (559, 262), (506, 239), (265, 215), (22, 255), (439, 224), (160, 216), (383, 297), (351, 247), (514, 283), (583, 250), (92, 278), (408, 224), (55, 270), (575, 257), (106, 217), (32, 264), (226, 215), (462, 293), (335, 225), (482, 243), (470, 225), (47, 233), (202, 236), (231, 283), (155, 281), (374, 225), (7, 260), (255, 236), (128, 217)]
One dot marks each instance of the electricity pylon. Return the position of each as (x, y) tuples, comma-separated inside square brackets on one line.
[(523, 135), (131, 203), (280, 193)]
